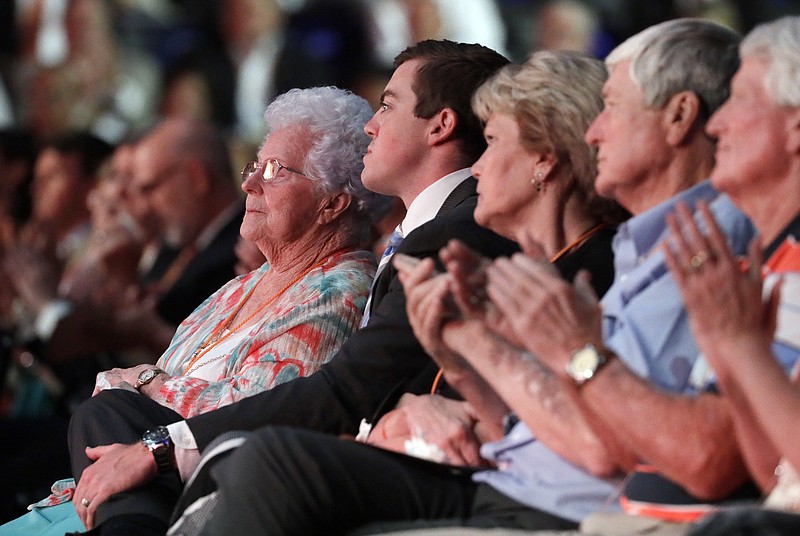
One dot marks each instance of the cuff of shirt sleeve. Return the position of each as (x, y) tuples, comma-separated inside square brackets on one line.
[(181, 435), (48, 319)]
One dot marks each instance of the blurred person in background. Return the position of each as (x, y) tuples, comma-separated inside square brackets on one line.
[(35, 263), (74, 74), (54, 239), (180, 196), (18, 151)]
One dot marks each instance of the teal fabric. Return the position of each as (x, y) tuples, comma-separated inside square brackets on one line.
[(48, 521)]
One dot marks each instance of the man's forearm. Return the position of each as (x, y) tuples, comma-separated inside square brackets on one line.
[(688, 439), (539, 398)]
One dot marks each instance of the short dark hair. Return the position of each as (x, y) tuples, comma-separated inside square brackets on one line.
[(447, 77), (91, 152)]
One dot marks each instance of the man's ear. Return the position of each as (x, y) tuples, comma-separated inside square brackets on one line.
[(681, 114), (443, 124), (331, 207)]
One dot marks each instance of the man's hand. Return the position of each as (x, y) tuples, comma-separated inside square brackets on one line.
[(116, 468), (448, 424), (551, 317), (724, 302)]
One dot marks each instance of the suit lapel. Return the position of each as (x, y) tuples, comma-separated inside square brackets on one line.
[(461, 192)]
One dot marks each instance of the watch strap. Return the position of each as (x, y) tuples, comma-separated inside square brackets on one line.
[(159, 443)]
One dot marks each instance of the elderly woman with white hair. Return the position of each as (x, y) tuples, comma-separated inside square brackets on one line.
[(308, 213), (746, 341)]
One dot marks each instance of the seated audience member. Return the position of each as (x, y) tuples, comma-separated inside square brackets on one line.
[(308, 213), (536, 186), (116, 241), (424, 137), (55, 237), (180, 191), (758, 166)]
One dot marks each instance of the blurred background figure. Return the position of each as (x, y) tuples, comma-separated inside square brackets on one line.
[(400, 23), (53, 240), (74, 73), (565, 25), (18, 149)]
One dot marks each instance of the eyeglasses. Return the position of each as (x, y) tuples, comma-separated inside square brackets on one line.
[(271, 169)]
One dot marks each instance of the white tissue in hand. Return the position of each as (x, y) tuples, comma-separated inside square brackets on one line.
[(418, 447), (364, 428)]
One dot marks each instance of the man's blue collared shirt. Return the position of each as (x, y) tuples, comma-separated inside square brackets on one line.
[(644, 322)]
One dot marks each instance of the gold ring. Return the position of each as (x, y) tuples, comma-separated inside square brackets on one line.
[(698, 259), (86, 502)]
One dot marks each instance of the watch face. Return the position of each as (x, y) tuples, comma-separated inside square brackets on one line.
[(156, 435), (584, 363), (147, 375)]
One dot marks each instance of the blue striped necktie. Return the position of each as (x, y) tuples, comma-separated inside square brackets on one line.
[(391, 246)]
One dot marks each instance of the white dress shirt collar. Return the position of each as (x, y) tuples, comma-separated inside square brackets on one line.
[(427, 204)]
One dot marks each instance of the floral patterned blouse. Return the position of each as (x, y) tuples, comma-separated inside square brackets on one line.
[(297, 333)]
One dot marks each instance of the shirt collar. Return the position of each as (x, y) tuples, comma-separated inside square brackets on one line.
[(793, 230), (427, 204), (646, 230)]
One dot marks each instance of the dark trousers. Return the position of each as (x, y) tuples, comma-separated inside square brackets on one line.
[(291, 481), (117, 416)]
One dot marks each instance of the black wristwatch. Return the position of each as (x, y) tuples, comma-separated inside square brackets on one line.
[(158, 441)]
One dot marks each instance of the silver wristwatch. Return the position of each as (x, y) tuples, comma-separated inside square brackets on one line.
[(158, 441), (585, 363), (146, 376)]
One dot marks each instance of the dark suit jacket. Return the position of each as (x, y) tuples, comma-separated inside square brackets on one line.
[(378, 362), (204, 275)]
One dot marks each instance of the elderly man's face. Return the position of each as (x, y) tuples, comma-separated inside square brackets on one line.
[(751, 132), (630, 141), (158, 188)]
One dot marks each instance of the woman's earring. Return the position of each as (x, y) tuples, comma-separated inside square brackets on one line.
[(537, 181)]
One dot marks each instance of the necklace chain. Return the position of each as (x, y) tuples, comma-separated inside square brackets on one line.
[(220, 334)]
